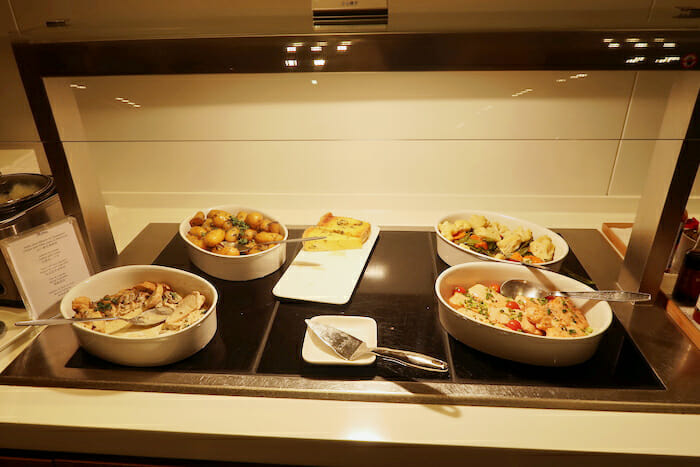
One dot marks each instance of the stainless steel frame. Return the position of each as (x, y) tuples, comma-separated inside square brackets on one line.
[(670, 177)]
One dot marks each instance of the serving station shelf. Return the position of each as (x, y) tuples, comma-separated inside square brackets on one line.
[(257, 347)]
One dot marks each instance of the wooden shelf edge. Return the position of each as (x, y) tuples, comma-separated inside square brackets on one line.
[(682, 321), (617, 243)]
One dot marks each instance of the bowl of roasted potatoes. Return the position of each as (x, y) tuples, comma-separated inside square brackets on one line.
[(234, 243)]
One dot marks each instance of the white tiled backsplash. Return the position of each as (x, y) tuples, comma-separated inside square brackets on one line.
[(567, 149)]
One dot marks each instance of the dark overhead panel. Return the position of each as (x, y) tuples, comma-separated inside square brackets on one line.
[(347, 52)]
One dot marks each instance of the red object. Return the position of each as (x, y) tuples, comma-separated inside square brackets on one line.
[(513, 305), (459, 290), (495, 287), (696, 316), (691, 224), (514, 324), (689, 61)]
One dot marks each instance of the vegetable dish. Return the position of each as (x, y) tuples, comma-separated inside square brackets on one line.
[(496, 240)]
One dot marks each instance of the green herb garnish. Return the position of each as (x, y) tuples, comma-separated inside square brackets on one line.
[(239, 223), (103, 305)]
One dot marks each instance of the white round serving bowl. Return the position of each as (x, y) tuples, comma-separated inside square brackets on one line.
[(144, 351), (235, 268), (453, 254), (512, 345)]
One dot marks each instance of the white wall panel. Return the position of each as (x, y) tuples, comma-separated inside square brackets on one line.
[(512, 168)]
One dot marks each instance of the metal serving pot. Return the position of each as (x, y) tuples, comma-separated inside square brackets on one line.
[(35, 203)]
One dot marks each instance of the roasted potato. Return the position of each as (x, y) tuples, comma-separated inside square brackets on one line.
[(264, 237), (198, 219), (254, 219), (232, 234), (198, 231), (275, 227), (214, 237), (220, 219)]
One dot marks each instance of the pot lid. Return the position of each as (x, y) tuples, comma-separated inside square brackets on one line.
[(20, 191)]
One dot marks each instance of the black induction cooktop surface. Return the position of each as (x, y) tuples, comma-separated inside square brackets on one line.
[(261, 335)]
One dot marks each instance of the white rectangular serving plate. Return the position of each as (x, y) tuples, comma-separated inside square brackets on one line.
[(325, 276)]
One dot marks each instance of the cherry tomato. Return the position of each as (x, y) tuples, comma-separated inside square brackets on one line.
[(513, 305), (514, 324), (459, 289), (495, 287)]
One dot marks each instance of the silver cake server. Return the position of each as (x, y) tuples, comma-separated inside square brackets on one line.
[(350, 347)]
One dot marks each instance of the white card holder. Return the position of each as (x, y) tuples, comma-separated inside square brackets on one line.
[(46, 262)]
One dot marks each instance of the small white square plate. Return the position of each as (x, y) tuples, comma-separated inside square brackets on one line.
[(9, 316), (315, 351)]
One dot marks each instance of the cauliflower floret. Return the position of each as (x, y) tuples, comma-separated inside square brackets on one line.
[(502, 229), (510, 243), (447, 228), (524, 234), (478, 221), (488, 233), (543, 248), (463, 225)]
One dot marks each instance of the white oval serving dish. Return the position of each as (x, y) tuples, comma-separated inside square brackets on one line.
[(453, 254), (512, 345), (144, 351), (235, 268)]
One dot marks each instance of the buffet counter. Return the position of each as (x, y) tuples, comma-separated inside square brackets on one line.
[(44, 409)]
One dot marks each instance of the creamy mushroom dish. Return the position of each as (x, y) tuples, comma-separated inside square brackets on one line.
[(129, 303), (551, 316), (498, 241)]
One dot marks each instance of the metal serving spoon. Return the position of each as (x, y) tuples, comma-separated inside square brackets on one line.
[(147, 318), (515, 287), (243, 248)]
